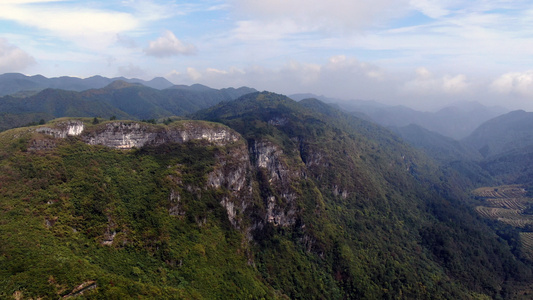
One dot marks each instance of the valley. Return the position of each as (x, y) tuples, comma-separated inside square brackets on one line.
[(259, 196), (269, 150)]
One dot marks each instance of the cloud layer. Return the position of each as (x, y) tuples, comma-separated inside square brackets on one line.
[(90, 27), (333, 15), (515, 83)]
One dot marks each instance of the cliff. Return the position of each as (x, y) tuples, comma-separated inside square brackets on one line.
[(128, 135), (232, 171), (275, 200)]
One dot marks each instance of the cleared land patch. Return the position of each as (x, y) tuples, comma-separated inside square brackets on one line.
[(509, 204)]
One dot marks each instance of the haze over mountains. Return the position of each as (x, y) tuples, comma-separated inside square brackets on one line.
[(11, 83), (457, 120), (183, 191), (257, 197)]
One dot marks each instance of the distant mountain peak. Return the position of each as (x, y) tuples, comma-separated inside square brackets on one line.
[(120, 84), (200, 87)]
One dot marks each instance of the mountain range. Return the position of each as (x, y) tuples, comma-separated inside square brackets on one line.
[(13, 83), (235, 193), (456, 121), (498, 152), (119, 99)]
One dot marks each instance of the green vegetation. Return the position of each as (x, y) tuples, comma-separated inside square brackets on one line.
[(402, 227), (119, 100), (339, 208), (59, 207)]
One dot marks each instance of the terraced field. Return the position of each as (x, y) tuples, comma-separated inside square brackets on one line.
[(508, 204), (526, 238)]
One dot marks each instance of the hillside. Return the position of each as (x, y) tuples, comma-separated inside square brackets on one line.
[(120, 99), (353, 159), (439, 147), (260, 197), (507, 132)]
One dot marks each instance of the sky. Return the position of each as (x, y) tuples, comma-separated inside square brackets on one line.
[(424, 54)]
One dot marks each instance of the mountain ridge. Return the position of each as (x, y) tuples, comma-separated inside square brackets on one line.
[(503, 133), (305, 201), (11, 83), (456, 120), (119, 99)]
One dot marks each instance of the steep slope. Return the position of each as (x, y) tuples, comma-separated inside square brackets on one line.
[(286, 199), (507, 132), (379, 194), (452, 155), (512, 167), (439, 147), (116, 223)]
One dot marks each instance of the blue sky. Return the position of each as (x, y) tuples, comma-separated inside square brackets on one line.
[(420, 53)]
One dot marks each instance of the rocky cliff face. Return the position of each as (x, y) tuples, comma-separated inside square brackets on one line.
[(237, 166), (63, 129), (127, 135), (276, 179), (233, 172)]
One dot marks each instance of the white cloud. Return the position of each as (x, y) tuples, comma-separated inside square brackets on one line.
[(340, 76), (194, 74), (168, 45), (12, 58), (454, 84), (149, 10), (423, 73), (89, 27), (255, 30), (518, 83), (68, 21), (425, 83)]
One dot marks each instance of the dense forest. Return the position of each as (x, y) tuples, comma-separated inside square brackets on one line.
[(255, 197)]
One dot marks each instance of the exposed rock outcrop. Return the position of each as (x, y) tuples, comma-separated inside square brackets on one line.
[(279, 196), (233, 173), (63, 129), (127, 135)]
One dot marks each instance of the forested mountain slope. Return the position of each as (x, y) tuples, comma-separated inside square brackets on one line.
[(507, 132), (120, 99), (439, 147), (260, 197)]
